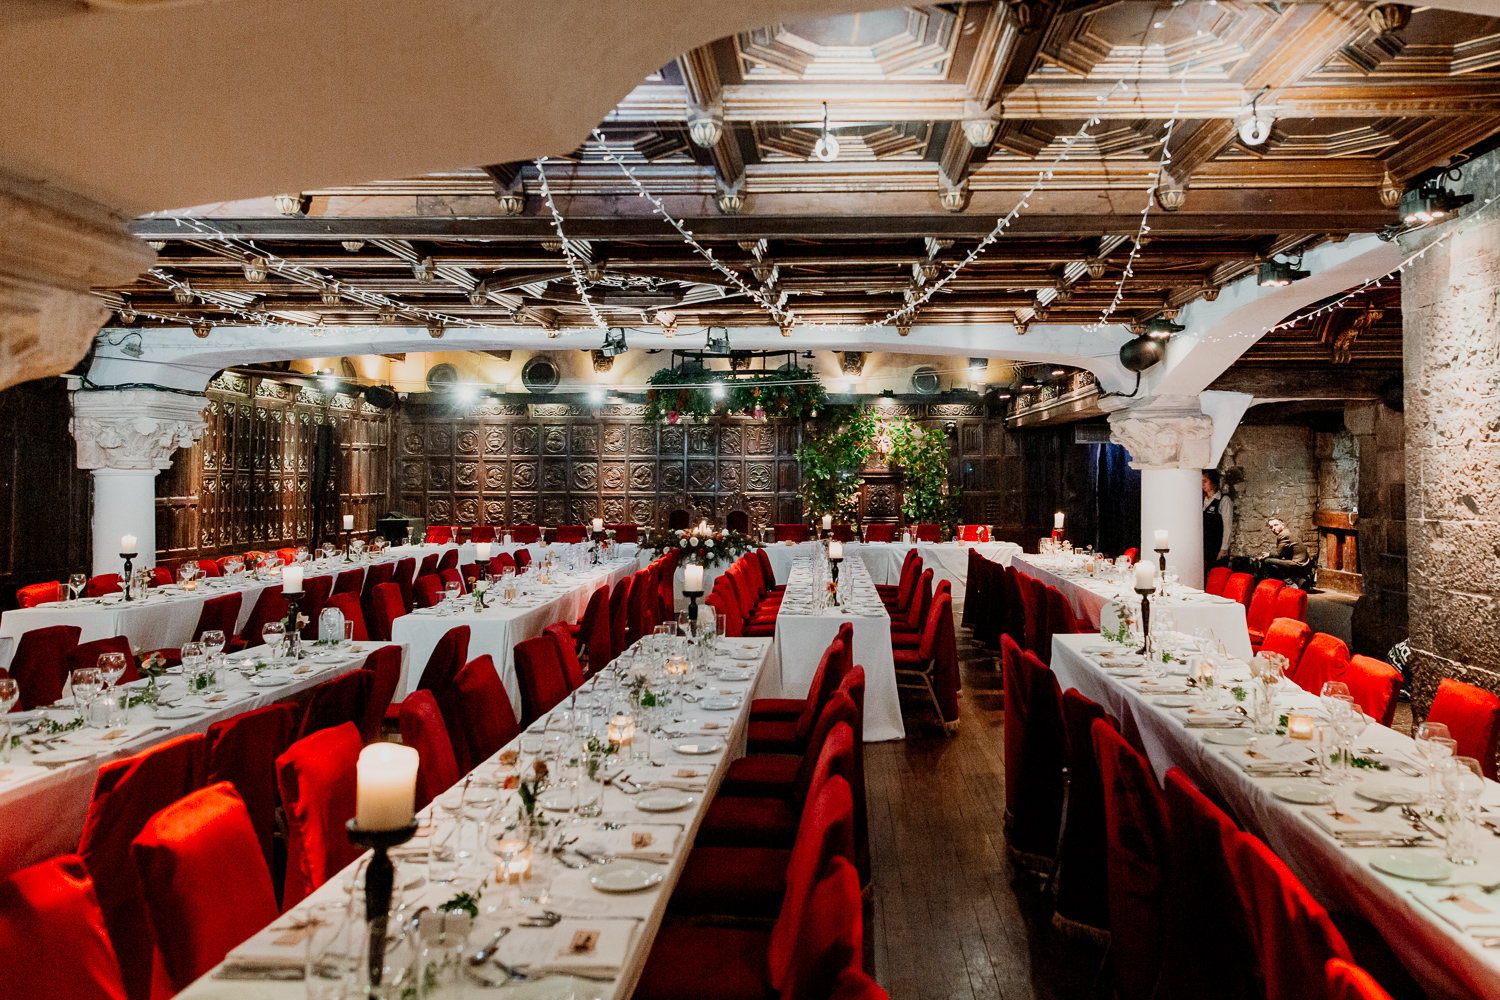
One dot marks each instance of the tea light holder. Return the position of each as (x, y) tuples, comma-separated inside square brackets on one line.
[(518, 868), (1300, 727), (621, 731), (380, 878)]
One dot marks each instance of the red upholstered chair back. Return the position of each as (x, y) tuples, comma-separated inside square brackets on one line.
[(921, 602), (825, 681), (627, 532), (911, 572), (1289, 638), (53, 936), (1472, 716), (767, 571), (1347, 981), (87, 655), (928, 533), (567, 653), (637, 614), (880, 532), (127, 793), (1217, 578), (469, 574), (270, 606), (403, 577), (429, 565), (720, 603), (594, 630), (791, 532), (223, 613), (445, 661), (569, 533), (104, 583), (348, 603), (501, 562), (487, 720), (1039, 776), (350, 581), (336, 701), (40, 663), (242, 751), (1292, 934), (377, 574), (1081, 896), (427, 591), (826, 756), (439, 534), (1291, 602), (452, 575), (539, 671), (482, 533), (1059, 621), (315, 591), (422, 728), (1033, 611), (212, 567), (39, 593), (1375, 686), (526, 534), (287, 556), (317, 780), (974, 533), (1263, 605), (384, 667), (448, 560), (825, 832), (1131, 554), (1138, 856), (829, 938), (619, 609), (206, 887), (1325, 659), (945, 679), (386, 606), (1014, 699), (523, 558), (842, 532), (1238, 587)]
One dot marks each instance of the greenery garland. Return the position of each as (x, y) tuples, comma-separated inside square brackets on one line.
[(684, 392), (926, 496), (831, 462)]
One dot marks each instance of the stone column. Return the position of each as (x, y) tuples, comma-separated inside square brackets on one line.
[(126, 437), (1170, 442), (1451, 336)]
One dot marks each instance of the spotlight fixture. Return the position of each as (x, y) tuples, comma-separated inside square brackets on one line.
[(422, 270), (465, 393), (717, 343), (1140, 353), (614, 342), (1431, 203), (978, 366), (479, 294), (354, 246), (183, 294), (1279, 273), (1255, 126), (255, 269), (717, 390), (202, 328), (435, 329), (596, 394), (827, 147), (1162, 327), (330, 295)]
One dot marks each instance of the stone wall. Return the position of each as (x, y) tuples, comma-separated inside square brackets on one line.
[(1379, 620), (1451, 319), (1274, 473), (1338, 471)]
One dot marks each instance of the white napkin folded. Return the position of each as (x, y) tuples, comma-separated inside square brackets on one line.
[(1466, 908), (641, 841), (586, 947), (1198, 718)]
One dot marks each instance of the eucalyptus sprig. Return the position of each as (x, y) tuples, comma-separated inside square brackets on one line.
[(464, 902)]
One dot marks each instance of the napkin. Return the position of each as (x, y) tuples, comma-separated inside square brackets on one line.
[(1269, 754), (282, 945), (1356, 823), (1466, 908), (588, 947), (641, 841), (1161, 686), (668, 780)]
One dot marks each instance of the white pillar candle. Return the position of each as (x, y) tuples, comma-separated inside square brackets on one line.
[(348, 522), (1057, 521), (835, 550), (827, 522), (692, 578), (386, 791), (1161, 538), (127, 545), (291, 580), (482, 550), (598, 524), (1145, 576)]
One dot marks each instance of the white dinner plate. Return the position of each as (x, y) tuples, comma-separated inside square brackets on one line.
[(1417, 867), (663, 800), (561, 800), (626, 876), (266, 681), (1302, 793), (733, 674), (65, 755), (698, 748), (29, 716), (1394, 794), (180, 712), (1124, 660), (1228, 737), (744, 652), (719, 703), (1177, 701)]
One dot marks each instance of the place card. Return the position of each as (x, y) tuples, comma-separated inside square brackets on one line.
[(1466, 908)]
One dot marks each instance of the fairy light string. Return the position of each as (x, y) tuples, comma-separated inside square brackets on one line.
[(580, 280)]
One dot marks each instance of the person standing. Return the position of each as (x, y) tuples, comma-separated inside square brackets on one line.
[(1218, 522)]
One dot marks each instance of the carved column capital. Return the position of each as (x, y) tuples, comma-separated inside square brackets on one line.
[(134, 428), (1164, 435)]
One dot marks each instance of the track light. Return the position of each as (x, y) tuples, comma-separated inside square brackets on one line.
[(614, 342), (1140, 353), (718, 343), (1162, 327), (1431, 203), (255, 269), (1279, 273), (827, 147)]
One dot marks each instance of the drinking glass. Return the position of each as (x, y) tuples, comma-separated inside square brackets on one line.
[(213, 640), (4, 742), (111, 668), (10, 693), (1335, 689), (273, 634), (1350, 720), (88, 684), (77, 584), (1327, 743), (478, 805), (1435, 750), (453, 590), (442, 851), (335, 942), (1462, 785)]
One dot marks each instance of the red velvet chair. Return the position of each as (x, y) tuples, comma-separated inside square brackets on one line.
[(439, 534), (221, 613), (1292, 933), (444, 662), (1375, 685), (468, 573), (842, 532), (1015, 700), (539, 672), (350, 581), (1131, 554), (1033, 831), (791, 532), (897, 596), (1347, 981), (625, 532), (1238, 588), (1033, 611), (928, 533), (880, 533), (315, 591), (378, 574), (384, 668), (317, 779), (487, 720), (213, 567), (349, 607), (1288, 638), (1080, 904), (523, 558), (1262, 609), (53, 937), (206, 888), (525, 534), (567, 654), (452, 575), (901, 635), (915, 622), (568, 534), (1217, 578), (482, 533), (1138, 852), (422, 728), (403, 577), (448, 560), (386, 606), (1472, 716), (88, 653), (40, 663), (429, 565), (270, 606), (767, 571), (1325, 659), (427, 592), (593, 631), (619, 608), (854, 984), (933, 666), (242, 751), (500, 562), (39, 593), (1291, 602), (127, 793), (784, 725), (636, 615), (104, 583), (336, 701)]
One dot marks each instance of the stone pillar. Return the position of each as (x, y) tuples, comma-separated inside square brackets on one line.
[(125, 437), (1170, 442), (1451, 336), (1380, 615)]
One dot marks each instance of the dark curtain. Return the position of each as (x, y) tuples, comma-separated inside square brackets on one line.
[(325, 484), (1118, 499)]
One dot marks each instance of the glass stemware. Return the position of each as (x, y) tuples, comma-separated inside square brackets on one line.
[(88, 684), (77, 584), (273, 634), (10, 693)]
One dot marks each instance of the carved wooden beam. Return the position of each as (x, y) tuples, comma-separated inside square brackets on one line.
[(1435, 143)]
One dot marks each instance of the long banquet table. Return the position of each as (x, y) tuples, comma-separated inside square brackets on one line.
[(1447, 962), (804, 631), (571, 894), (43, 808), (947, 560), (1192, 609)]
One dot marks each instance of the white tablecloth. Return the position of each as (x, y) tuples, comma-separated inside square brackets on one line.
[(571, 894), (498, 628), (1193, 609), (1444, 961), (947, 560), (42, 810), (802, 638)]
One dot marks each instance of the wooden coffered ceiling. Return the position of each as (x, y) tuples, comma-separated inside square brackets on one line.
[(944, 115)]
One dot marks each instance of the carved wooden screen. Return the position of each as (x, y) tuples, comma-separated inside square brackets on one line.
[(252, 480)]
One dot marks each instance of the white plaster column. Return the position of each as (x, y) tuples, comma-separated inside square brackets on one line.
[(1170, 442), (125, 437)]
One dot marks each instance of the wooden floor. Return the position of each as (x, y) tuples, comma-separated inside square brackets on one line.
[(950, 918)]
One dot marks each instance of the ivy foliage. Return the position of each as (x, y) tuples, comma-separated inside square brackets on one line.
[(687, 392), (831, 460), (922, 454)]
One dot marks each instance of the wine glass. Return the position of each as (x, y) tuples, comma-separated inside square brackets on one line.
[(10, 693), (111, 667), (213, 640), (88, 683), (77, 584), (453, 590), (273, 634), (1335, 689)]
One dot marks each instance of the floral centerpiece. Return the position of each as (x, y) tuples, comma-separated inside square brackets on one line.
[(700, 546), (480, 589)]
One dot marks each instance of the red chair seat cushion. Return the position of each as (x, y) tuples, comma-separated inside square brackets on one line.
[(907, 657), (683, 959), (887, 589), (748, 822), (905, 640), (759, 630), (776, 709), (773, 736), (769, 777), (732, 881)]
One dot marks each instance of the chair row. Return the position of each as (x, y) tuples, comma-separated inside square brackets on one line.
[(444, 534), (922, 639), (1003, 602), (842, 532), (1264, 601)]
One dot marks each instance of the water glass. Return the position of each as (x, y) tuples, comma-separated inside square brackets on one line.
[(1462, 786), (88, 684), (335, 945), (273, 634), (213, 640), (77, 584), (453, 590), (10, 693)]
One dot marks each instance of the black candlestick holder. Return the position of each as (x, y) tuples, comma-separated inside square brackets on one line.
[(833, 571), (380, 878), (1145, 618), (1162, 566), (692, 608), (127, 556), (293, 630)]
